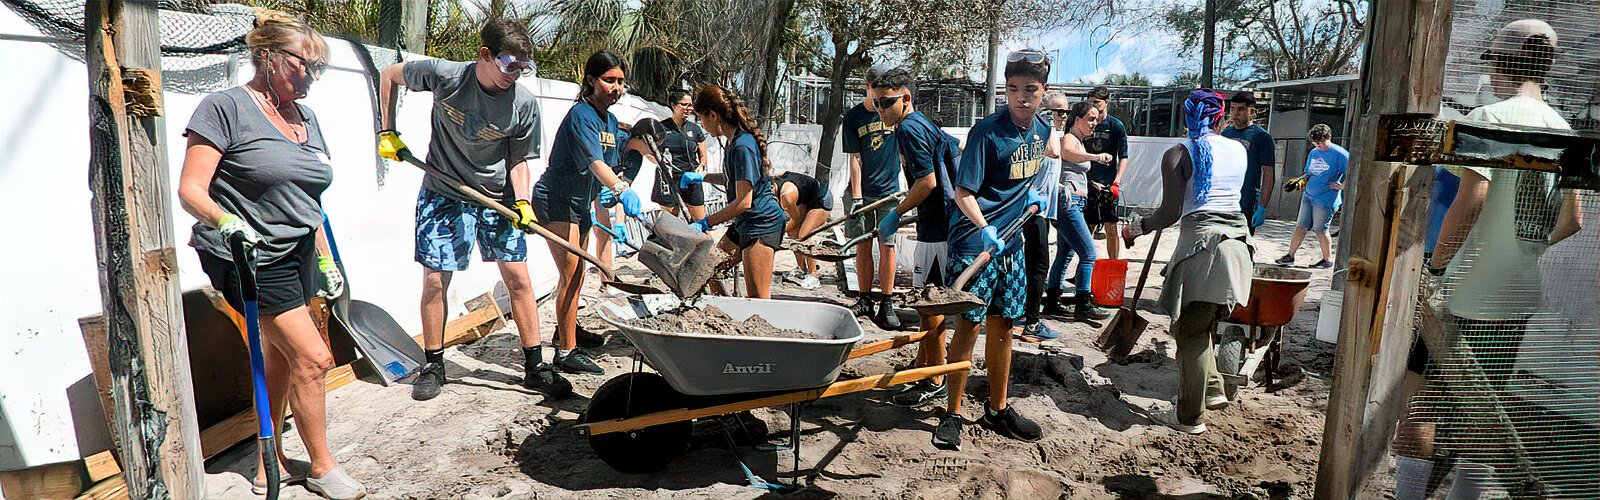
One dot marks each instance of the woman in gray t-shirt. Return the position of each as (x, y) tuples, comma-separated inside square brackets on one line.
[(255, 168)]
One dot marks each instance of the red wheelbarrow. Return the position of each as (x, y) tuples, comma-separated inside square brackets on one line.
[(1276, 294)]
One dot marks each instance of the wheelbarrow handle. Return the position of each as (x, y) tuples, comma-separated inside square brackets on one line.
[(1010, 231), (506, 212), (857, 213)]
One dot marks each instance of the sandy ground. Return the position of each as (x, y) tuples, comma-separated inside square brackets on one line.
[(486, 437)]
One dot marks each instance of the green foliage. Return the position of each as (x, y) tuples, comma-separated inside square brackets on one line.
[(1264, 40), (1135, 79)]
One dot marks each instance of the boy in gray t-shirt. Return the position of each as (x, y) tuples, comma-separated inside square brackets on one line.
[(485, 128)]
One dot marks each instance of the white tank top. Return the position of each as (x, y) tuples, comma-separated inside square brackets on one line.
[(1228, 162)]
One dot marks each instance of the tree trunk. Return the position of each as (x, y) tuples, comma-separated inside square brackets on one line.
[(991, 74), (767, 92), (1209, 45), (843, 64)]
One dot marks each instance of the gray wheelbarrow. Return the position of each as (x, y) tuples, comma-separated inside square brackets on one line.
[(640, 421)]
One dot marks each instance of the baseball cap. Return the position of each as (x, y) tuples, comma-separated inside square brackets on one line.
[(876, 71), (1523, 38)]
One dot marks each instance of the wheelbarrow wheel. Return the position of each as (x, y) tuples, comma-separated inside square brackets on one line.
[(644, 450), (1230, 350)]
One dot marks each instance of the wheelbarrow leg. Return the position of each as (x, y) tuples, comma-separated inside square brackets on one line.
[(794, 443)]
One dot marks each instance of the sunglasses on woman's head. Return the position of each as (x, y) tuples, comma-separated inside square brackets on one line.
[(511, 66)]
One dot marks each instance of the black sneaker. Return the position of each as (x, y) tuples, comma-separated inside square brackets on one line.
[(1322, 264), (1011, 424), (1053, 307), (428, 383), (1286, 260), (547, 381), (1085, 310), (589, 339), (862, 307), (947, 436), (579, 362), (887, 318), (920, 392)]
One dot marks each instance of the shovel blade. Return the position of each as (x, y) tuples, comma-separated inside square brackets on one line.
[(681, 255), (1122, 333), (945, 301)]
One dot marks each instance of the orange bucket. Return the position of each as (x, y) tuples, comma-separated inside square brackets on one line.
[(1110, 282)]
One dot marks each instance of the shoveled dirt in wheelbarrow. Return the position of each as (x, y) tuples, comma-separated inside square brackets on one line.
[(712, 321)]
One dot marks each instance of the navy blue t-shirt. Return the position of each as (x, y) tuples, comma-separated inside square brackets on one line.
[(1110, 137), (584, 137), (865, 134), (742, 162), (925, 149), (1261, 151), (998, 167)]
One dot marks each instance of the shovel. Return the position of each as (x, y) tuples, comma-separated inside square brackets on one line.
[(893, 198), (382, 341), (266, 437), (1119, 337), (828, 251), (940, 301), (608, 277), (682, 256)]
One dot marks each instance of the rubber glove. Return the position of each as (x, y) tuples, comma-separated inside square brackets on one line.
[(888, 226), (525, 217), (390, 146), (234, 227), (1116, 191), (332, 280), (991, 239), (703, 225), (690, 179), (1259, 217), (630, 203), (1036, 200), (617, 232), (1131, 231), (606, 199)]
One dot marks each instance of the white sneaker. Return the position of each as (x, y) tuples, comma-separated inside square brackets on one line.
[(809, 282), (1217, 402), (1169, 418), (336, 485)]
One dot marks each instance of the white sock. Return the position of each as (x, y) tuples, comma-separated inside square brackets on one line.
[(562, 353), (1411, 477)]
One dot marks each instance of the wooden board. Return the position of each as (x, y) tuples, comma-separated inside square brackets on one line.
[(44, 482), (1421, 139), (101, 465)]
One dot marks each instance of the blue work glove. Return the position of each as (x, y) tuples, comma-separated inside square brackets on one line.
[(618, 232), (703, 225), (1036, 200), (991, 239), (606, 199), (690, 179), (1259, 217), (888, 226), (630, 203)]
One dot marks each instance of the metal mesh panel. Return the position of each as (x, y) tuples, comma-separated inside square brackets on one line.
[(1509, 320)]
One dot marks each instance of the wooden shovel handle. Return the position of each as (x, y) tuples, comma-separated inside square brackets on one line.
[(857, 213), (1155, 242), (506, 212), (983, 259)]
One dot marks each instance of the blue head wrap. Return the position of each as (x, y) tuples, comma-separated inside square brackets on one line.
[(1203, 108)]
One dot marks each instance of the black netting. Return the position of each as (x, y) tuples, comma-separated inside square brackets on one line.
[(200, 41)]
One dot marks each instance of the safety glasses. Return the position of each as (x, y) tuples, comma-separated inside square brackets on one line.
[(1031, 56), (511, 66)]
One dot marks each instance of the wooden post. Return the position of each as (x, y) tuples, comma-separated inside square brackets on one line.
[(154, 407), (403, 25), (1403, 72)]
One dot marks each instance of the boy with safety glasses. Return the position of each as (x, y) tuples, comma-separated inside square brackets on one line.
[(485, 128)]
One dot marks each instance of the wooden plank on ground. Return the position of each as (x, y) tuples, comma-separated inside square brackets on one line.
[(101, 465), (112, 488), (45, 482)]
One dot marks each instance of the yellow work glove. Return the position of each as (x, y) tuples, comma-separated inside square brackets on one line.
[(390, 146), (525, 217)]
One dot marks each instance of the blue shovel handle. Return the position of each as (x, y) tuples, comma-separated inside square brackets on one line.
[(244, 260)]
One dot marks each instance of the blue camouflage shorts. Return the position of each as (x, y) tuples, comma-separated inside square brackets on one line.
[(446, 229), (1003, 284)]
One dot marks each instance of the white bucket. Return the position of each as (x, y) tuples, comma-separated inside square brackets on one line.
[(1328, 316)]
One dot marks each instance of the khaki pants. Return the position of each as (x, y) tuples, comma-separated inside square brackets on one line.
[(1197, 361)]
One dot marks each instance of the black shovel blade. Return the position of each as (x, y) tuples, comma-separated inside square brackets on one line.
[(1123, 333)]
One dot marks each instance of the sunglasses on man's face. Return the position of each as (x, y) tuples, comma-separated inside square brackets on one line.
[(511, 66), (887, 101), (1031, 56)]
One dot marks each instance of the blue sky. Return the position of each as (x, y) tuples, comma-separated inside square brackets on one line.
[(1090, 53)]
